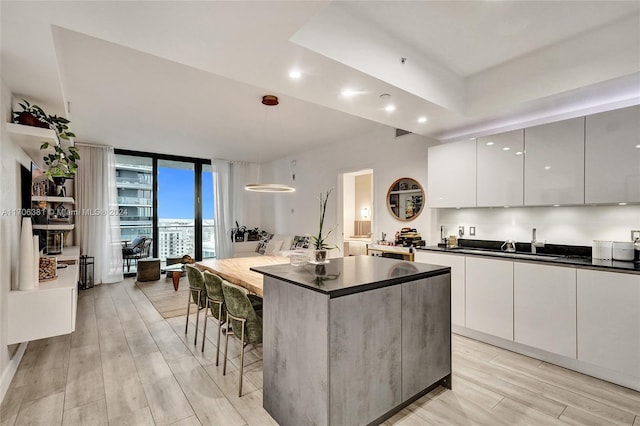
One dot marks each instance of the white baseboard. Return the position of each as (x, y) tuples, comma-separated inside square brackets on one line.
[(10, 371), (562, 361)]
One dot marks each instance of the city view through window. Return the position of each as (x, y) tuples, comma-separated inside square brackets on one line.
[(176, 232)]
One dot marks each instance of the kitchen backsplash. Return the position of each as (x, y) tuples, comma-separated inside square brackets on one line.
[(578, 225)]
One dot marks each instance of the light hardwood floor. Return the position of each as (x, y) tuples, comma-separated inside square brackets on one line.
[(126, 365)]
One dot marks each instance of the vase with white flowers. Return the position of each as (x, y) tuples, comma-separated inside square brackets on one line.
[(320, 241)]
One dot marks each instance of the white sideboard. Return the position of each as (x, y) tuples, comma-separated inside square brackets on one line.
[(48, 310)]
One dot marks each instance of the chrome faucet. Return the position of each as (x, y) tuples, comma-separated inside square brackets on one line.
[(535, 243)]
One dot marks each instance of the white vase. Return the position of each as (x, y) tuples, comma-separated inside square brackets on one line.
[(36, 261), (25, 270)]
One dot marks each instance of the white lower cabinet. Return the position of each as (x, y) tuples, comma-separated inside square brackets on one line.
[(609, 320), (545, 307), (489, 296), (457, 265)]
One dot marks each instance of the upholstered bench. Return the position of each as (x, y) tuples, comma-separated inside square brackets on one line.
[(148, 270)]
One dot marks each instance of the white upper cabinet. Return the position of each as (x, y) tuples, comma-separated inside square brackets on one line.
[(452, 175), (554, 163), (612, 156), (500, 169)]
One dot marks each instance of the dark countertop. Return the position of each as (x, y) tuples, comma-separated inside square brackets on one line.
[(353, 274), (560, 260)]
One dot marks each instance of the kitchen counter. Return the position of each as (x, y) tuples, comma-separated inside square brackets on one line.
[(355, 340), (564, 260), (348, 275)]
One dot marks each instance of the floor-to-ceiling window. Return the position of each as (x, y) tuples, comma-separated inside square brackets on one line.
[(176, 208), (134, 180), (169, 199), (208, 230)]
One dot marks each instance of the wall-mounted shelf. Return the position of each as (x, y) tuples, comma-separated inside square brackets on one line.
[(30, 138), (55, 227), (53, 199), (406, 191), (48, 310)]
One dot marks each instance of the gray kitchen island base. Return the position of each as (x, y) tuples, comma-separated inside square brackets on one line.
[(356, 356)]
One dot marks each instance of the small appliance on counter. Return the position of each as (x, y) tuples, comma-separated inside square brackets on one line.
[(602, 250), (623, 250), (409, 237)]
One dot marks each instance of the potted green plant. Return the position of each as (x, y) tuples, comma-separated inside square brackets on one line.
[(320, 241), (61, 163), (33, 115)]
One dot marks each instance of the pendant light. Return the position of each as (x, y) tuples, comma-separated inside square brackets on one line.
[(269, 100)]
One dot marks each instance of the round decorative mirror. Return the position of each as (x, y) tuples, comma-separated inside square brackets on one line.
[(405, 199)]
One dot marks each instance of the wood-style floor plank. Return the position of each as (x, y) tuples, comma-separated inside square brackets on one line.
[(596, 390), (94, 414), (211, 405), (127, 365), (515, 413), (84, 381), (44, 411)]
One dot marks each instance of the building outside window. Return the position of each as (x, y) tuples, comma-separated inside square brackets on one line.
[(169, 200)]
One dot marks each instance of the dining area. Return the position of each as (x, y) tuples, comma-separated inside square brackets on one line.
[(231, 294)]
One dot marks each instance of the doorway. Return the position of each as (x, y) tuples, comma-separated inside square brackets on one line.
[(357, 211)]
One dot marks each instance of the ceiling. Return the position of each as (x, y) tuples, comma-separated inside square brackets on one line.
[(186, 78)]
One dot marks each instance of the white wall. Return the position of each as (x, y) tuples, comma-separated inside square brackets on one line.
[(318, 170), (11, 157), (348, 204), (557, 225)]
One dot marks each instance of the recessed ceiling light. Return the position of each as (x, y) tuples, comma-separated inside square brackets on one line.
[(422, 120), (519, 153), (622, 204), (347, 93), (547, 167), (556, 205), (489, 143), (390, 108), (638, 146), (506, 148), (295, 74)]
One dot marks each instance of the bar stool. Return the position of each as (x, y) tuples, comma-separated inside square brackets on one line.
[(245, 321), (215, 296), (197, 293)]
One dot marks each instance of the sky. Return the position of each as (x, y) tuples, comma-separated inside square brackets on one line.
[(175, 194)]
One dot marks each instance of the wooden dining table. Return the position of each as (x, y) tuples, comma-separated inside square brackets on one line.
[(236, 270)]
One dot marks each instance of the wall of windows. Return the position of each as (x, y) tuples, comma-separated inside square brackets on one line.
[(168, 199)]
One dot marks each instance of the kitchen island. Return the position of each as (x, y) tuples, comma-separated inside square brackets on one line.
[(355, 340)]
